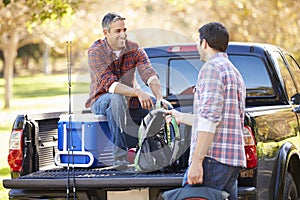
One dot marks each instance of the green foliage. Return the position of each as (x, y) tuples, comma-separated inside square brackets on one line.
[(43, 11), (4, 171), (31, 50), (50, 9), (6, 2)]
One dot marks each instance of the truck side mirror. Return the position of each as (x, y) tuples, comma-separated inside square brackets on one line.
[(296, 99)]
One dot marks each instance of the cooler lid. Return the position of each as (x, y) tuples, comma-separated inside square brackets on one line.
[(87, 117)]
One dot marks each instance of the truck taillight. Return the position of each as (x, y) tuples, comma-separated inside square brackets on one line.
[(250, 147), (15, 155)]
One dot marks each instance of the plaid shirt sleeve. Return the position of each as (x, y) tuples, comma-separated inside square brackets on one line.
[(143, 66), (145, 70), (208, 99)]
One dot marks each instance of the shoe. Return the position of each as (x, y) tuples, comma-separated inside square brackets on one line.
[(120, 164)]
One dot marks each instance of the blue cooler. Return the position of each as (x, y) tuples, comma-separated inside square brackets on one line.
[(85, 142)]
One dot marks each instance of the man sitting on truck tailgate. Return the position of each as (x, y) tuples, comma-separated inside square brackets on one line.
[(113, 62), (217, 147)]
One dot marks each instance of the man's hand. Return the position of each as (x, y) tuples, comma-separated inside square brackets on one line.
[(145, 99), (195, 174), (204, 140), (177, 115), (166, 105), (181, 118)]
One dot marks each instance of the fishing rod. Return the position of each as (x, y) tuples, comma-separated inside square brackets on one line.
[(69, 132)]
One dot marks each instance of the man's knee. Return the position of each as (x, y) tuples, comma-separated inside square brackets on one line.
[(118, 100)]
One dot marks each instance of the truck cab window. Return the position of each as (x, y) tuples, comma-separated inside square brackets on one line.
[(287, 79), (255, 75), (295, 70), (183, 75)]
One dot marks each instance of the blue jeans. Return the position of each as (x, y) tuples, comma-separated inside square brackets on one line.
[(114, 107), (219, 176)]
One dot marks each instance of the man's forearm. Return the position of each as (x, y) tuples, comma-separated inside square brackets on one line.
[(187, 118), (156, 88), (204, 140), (125, 90), (144, 98)]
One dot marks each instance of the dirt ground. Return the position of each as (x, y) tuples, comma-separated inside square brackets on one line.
[(129, 195)]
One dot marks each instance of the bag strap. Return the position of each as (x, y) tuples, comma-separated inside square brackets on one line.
[(174, 146), (173, 123), (158, 104), (163, 103)]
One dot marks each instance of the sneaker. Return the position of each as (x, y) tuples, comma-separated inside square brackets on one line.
[(120, 164)]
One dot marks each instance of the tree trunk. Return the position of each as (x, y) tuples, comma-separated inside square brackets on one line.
[(10, 55), (47, 67)]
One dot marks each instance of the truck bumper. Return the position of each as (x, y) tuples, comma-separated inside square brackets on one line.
[(245, 193)]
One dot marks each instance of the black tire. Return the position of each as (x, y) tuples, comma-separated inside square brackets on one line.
[(290, 189)]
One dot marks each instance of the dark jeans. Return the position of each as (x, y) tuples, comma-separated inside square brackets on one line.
[(119, 117), (219, 176)]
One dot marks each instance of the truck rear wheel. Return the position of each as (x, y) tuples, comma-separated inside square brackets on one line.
[(290, 190)]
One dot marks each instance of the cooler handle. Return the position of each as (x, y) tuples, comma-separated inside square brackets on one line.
[(89, 154)]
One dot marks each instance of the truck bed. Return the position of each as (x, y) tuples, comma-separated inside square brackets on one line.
[(107, 178)]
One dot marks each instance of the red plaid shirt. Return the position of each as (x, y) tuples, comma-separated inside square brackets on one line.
[(106, 68)]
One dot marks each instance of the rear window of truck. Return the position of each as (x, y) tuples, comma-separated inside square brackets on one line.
[(183, 74)]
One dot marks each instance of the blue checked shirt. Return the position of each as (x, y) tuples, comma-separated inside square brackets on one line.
[(219, 103)]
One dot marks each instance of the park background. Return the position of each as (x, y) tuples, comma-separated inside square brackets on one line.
[(33, 64)]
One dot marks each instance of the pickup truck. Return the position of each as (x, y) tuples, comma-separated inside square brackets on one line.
[(271, 134)]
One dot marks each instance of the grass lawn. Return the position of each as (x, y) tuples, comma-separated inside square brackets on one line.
[(45, 86), (4, 173), (39, 93), (36, 94)]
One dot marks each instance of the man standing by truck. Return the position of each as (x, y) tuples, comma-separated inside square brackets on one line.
[(113, 92), (217, 146)]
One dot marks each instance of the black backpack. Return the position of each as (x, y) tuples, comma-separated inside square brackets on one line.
[(158, 143)]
